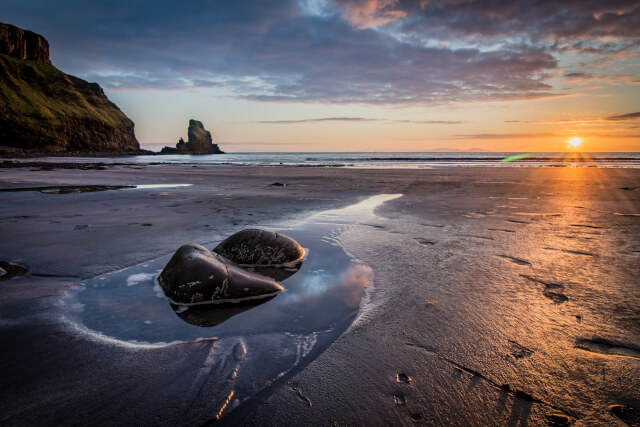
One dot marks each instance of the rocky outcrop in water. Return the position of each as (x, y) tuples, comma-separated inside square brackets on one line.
[(199, 142), (45, 111)]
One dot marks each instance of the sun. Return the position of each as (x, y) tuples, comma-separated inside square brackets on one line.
[(575, 142)]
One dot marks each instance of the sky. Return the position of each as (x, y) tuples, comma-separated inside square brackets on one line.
[(358, 75)]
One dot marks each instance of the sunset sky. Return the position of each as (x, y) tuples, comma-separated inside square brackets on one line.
[(358, 75)]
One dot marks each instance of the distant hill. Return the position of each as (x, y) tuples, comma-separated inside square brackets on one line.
[(45, 111)]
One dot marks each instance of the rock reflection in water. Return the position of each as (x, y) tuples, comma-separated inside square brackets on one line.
[(210, 315)]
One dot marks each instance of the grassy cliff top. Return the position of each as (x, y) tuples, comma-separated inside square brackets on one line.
[(44, 109), (41, 90)]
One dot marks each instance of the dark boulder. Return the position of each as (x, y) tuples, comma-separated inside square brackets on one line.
[(253, 247), (195, 275)]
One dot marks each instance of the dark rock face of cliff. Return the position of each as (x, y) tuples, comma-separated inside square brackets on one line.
[(199, 142), (22, 44), (45, 111)]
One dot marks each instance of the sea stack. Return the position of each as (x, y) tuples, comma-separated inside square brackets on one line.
[(45, 111), (199, 142)]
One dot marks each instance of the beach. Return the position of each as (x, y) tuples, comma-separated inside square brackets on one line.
[(499, 296)]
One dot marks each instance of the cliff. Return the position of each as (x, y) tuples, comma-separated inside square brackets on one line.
[(45, 111), (199, 142), (22, 44)]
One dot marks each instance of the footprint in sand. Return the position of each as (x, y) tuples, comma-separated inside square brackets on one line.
[(516, 221), (515, 260), (504, 230), (611, 348), (597, 227), (300, 395), (626, 413), (569, 251), (381, 227), (424, 241), (518, 351), (476, 237), (399, 399), (556, 297), (555, 419), (416, 417), (403, 378)]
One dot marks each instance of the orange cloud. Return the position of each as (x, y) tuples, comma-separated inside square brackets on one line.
[(607, 119), (373, 13)]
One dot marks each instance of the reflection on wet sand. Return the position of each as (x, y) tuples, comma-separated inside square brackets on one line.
[(68, 189), (351, 286)]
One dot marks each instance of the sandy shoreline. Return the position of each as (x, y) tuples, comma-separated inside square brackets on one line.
[(501, 295)]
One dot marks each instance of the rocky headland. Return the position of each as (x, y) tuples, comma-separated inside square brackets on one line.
[(44, 111), (199, 141)]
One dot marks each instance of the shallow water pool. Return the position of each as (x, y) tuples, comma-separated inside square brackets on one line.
[(273, 336)]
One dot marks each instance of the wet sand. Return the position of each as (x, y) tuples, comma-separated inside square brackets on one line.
[(501, 296)]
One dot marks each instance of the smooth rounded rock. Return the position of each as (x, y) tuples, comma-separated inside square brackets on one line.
[(195, 275), (254, 247)]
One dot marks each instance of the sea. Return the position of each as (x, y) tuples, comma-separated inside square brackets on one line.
[(386, 160)]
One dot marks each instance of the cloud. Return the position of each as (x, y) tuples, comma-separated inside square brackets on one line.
[(504, 136), (594, 120), (396, 52), (630, 116), (514, 136), (578, 76), (372, 13), (431, 122), (614, 79), (536, 19), (616, 136)]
